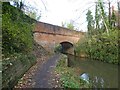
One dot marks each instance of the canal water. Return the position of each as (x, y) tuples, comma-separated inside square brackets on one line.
[(101, 74)]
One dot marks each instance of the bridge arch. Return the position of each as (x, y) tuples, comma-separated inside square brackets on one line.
[(66, 46), (50, 36)]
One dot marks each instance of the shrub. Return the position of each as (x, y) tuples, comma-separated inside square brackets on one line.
[(16, 31), (102, 47)]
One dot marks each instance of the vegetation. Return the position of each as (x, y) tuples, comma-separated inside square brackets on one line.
[(101, 47), (58, 48), (68, 78), (28, 10), (17, 44), (69, 25), (16, 31), (90, 22), (101, 41)]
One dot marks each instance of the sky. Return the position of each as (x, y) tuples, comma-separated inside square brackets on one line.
[(57, 11)]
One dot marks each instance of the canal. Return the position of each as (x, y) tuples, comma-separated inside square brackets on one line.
[(101, 74)]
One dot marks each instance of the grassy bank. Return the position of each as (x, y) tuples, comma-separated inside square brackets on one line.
[(69, 76)]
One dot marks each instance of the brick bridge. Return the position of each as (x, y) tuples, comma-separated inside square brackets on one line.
[(49, 36)]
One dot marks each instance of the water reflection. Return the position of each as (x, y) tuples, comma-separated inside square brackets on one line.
[(97, 82), (100, 74)]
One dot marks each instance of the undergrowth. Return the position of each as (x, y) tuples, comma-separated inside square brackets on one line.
[(69, 77)]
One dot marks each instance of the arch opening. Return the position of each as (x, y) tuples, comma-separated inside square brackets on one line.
[(65, 46)]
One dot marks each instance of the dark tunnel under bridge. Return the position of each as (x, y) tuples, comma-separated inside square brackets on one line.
[(67, 47)]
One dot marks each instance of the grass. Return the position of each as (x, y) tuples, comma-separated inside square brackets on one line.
[(69, 76)]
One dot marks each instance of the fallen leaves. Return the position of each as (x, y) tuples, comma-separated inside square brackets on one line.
[(27, 81)]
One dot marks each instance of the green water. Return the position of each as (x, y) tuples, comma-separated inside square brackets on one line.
[(101, 74)]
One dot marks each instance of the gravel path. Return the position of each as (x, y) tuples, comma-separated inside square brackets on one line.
[(43, 74)]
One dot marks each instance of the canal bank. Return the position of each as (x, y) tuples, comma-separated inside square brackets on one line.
[(100, 74)]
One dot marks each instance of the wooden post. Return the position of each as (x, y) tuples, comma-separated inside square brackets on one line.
[(74, 54), (68, 61)]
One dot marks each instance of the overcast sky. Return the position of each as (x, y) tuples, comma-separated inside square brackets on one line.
[(57, 11)]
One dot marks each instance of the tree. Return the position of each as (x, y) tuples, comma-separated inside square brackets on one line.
[(118, 4), (34, 15), (69, 25), (90, 21), (19, 4), (113, 18), (97, 17), (29, 10), (63, 24), (102, 13)]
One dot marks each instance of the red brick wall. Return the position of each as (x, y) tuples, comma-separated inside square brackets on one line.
[(49, 35)]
